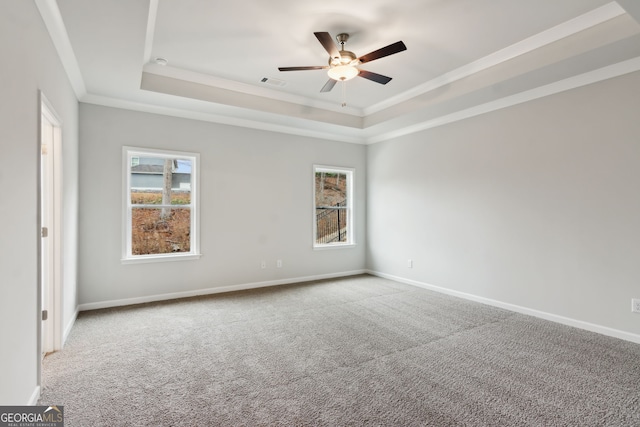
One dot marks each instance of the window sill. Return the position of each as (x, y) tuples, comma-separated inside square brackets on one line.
[(334, 246), (143, 259)]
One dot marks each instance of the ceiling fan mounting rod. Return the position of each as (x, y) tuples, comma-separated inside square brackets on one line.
[(342, 39)]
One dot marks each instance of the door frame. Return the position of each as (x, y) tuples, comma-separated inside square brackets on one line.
[(53, 331)]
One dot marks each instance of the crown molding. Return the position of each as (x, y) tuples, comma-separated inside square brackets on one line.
[(360, 136), (247, 89), (604, 73), (151, 29), (58, 32), (258, 120), (566, 29)]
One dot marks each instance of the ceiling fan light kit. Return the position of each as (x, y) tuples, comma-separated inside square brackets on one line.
[(343, 64), (343, 72)]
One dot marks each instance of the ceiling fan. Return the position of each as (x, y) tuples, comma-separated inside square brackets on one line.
[(343, 64)]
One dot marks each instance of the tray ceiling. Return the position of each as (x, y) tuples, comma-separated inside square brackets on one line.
[(463, 57)]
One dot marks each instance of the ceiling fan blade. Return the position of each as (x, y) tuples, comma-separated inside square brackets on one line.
[(378, 78), (315, 67), (382, 52), (328, 85), (326, 41)]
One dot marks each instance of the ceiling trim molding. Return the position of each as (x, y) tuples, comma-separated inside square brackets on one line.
[(608, 72), (151, 30), (220, 119), (568, 28), (247, 89), (226, 97), (58, 32)]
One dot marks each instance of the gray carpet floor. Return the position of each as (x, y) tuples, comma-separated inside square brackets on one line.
[(357, 351)]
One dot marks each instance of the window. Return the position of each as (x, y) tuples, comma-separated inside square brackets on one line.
[(160, 205), (333, 207)]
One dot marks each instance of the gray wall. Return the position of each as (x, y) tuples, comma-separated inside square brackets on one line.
[(256, 197), (537, 205), (29, 64)]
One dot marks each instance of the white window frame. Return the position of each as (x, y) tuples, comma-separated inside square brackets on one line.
[(350, 174), (128, 153)]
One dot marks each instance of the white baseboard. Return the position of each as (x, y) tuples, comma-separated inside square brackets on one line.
[(210, 291), (34, 397), (627, 336), (67, 329)]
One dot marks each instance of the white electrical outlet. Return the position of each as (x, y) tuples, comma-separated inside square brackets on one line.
[(279, 263), (410, 263), (263, 264), (635, 305)]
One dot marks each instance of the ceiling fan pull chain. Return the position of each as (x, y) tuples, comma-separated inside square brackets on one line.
[(344, 93)]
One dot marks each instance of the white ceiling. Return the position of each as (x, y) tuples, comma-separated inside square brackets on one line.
[(463, 57)]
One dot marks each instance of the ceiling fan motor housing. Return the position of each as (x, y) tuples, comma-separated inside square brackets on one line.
[(346, 58)]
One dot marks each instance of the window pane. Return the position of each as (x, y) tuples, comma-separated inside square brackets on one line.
[(332, 213), (331, 189), (160, 231), (160, 180)]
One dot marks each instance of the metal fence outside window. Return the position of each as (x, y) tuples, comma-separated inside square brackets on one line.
[(331, 223)]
